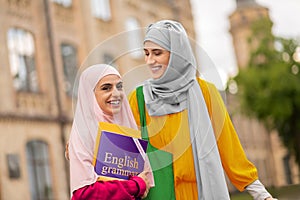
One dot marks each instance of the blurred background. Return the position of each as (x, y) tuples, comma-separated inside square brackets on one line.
[(241, 46)]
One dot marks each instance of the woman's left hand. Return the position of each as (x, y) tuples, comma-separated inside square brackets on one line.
[(144, 176)]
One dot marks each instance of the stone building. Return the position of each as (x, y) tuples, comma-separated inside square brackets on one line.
[(44, 43), (264, 149)]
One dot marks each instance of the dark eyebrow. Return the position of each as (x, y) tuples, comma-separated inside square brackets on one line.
[(105, 84), (153, 49), (109, 84)]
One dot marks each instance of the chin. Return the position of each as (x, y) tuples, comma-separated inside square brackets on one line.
[(116, 111), (156, 76)]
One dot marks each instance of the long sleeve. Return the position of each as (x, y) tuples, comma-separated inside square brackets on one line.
[(258, 191), (113, 190), (238, 168)]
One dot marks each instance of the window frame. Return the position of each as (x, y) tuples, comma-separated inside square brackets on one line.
[(39, 172), (64, 3), (21, 56), (135, 38), (101, 9), (66, 76)]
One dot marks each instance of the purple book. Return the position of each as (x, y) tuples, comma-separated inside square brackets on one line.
[(118, 156)]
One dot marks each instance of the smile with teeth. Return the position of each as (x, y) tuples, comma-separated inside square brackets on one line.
[(155, 68), (114, 102)]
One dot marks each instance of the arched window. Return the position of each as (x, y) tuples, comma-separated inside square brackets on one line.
[(101, 9), (134, 40), (21, 57), (69, 58), (39, 170), (64, 3)]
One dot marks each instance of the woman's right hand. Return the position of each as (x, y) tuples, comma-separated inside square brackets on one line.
[(144, 175)]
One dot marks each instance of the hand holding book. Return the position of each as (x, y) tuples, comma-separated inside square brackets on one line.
[(119, 153)]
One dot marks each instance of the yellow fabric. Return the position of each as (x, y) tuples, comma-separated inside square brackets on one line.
[(171, 133)]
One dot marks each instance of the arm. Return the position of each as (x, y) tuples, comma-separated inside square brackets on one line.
[(258, 191), (238, 168), (241, 172), (135, 187)]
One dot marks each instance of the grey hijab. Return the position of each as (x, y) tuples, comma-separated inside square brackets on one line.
[(168, 94), (178, 90)]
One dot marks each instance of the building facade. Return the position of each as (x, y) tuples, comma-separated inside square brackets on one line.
[(264, 148), (44, 44)]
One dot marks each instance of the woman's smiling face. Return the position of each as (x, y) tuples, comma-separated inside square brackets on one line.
[(157, 59), (109, 94)]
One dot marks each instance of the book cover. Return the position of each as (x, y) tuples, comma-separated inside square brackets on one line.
[(118, 152)]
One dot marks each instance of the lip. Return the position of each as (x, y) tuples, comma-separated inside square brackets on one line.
[(114, 103), (155, 69)]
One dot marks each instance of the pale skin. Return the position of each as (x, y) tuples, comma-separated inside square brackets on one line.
[(157, 59), (109, 95)]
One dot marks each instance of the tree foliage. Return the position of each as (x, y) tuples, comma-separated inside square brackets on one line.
[(269, 87)]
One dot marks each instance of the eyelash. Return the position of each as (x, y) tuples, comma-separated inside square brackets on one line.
[(155, 53), (105, 88), (119, 87)]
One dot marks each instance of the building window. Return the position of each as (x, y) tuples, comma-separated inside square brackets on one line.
[(21, 57), (13, 162), (69, 58), (134, 38), (64, 3), (287, 169), (39, 170), (101, 9), (108, 59)]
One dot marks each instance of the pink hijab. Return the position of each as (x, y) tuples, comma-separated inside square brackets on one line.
[(85, 125)]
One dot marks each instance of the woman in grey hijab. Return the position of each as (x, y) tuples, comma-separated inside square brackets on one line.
[(186, 116)]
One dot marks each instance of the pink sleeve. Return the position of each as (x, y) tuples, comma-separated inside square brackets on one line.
[(112, 190), (141, 185)]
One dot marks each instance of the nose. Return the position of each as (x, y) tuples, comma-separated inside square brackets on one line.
[(116, 92), (149, 59)]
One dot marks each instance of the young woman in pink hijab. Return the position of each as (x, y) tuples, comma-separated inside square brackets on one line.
[(101, 98)]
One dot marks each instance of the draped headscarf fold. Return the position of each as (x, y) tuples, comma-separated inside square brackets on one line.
[(178, 90), (85, 125)]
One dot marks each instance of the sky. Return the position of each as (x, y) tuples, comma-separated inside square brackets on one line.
[(211, 18)]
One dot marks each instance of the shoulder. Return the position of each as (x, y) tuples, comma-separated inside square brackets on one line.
[(133, 102), (205, 85), (132, 99), (135, 94), (132, 94), (207, 88)]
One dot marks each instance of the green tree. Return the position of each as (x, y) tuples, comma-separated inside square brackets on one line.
[(269, 87)]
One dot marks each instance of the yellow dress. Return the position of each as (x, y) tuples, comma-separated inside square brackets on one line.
[(171, 133)]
